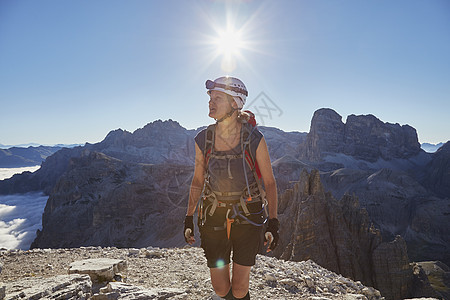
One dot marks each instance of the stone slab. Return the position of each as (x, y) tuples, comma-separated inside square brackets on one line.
[(99, 269)]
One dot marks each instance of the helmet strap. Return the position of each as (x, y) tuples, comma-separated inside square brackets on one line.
[(229, 114)]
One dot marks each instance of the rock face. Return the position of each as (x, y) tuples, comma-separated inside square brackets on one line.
[(339, 236), (398, 204), (437, 174), (282, 143), (392, 270), (363, 137), (104, 201)]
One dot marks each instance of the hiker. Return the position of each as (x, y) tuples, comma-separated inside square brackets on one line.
[(232, 164)]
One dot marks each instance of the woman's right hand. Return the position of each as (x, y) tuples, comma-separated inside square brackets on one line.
[(189, 230)]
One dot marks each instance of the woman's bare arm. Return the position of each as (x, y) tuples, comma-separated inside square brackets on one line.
[(263, 159), (197, 181)]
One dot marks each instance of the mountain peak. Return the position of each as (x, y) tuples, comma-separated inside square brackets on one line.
[(362, 136), (160, 124)]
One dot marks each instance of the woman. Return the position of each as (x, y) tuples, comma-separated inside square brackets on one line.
[(226, 176)]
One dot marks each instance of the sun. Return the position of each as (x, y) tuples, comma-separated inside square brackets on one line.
[(229, 42), (232, 38)]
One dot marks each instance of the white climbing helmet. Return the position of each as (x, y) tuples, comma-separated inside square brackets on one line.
[(230, 86)]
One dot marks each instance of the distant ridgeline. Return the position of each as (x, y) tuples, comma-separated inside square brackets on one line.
[(431, 148), (383, 197), (17, 157)]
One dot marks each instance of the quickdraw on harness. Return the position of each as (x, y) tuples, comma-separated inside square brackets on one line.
[(235, 201)]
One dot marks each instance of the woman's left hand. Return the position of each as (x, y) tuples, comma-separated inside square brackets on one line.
[(271, 236)]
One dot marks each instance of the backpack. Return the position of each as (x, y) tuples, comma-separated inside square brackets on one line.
[(253, 192)]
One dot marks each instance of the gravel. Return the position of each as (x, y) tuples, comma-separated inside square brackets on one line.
[(185, 268)]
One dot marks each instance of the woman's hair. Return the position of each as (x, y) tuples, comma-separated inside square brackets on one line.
[(243, 117)]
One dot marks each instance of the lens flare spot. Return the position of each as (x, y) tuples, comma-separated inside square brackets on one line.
[(220, 263)]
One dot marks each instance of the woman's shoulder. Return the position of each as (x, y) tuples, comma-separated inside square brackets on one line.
[(256, 134), (200, 137)]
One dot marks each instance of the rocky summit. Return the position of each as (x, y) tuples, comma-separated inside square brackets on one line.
[(359, 198), (154, 273)]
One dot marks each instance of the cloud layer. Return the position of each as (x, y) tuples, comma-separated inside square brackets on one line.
[(20, 215), (9, 172)]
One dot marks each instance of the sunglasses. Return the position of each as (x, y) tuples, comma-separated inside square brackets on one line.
[(211, 85)]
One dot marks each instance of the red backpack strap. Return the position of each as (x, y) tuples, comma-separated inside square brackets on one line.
[(252, 163), (246, 140)]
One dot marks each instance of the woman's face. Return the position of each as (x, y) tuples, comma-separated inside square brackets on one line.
[(219, 104)]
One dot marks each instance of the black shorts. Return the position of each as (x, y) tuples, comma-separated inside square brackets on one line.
[(245, 241)]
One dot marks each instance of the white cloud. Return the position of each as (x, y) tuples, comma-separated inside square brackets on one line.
[(9, 172), (20, 217)]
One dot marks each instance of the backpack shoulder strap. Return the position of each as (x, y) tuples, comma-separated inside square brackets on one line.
[(246, 138), (209, 142)]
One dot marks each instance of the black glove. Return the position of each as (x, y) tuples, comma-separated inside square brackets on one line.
[(273, 227), (188, 224)]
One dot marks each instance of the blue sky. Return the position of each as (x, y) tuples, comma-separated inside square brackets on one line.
[(71, 71)]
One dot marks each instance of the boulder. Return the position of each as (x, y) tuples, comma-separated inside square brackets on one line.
[(99, 269)]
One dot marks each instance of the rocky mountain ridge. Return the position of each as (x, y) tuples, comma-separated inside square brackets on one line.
[(145, 176), (159, 142)]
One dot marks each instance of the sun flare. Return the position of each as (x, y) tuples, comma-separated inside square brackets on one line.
[(229, 42), (235, 40)]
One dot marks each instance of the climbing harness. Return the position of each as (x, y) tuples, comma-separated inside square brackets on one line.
[(235, 201)]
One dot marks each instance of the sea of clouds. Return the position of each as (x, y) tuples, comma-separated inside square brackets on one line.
[(20, 214), (9, 172)]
